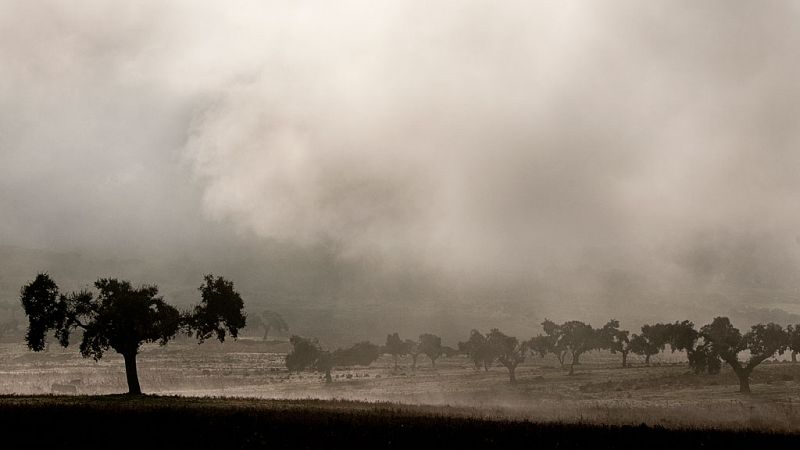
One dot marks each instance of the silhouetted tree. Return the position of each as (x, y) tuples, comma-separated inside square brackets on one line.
[(303, 354), (478, 350), (793, 333), (508, 350), (219, 311), (541, 344), (396, 347), (270, 320), (123, 318), (682, 336), (431, 346), (762, 342), (651, 341), (551, 342), (414, 349), (615, 340), (360, 354), (703, 358), (578, 338), (308, 354)]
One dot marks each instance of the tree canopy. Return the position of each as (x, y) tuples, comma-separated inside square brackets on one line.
[(307, 353), (396, 347), (762, 342), (478, 349), (431, 346), (616, 340), (123, 317), (508, 351)]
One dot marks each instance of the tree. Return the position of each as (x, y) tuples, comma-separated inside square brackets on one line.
[(651, 341), (793, 334), (762, 342), (414, 349), (396, 347), (123, 318), (616, 340), (682, 336), (307, 353), (578, 338), (478, 350), (553, 341), (703, 358), (508, 350), (272, 320), (431, 346), (303, 354), (360, 354), (542, 344), (219, 311)]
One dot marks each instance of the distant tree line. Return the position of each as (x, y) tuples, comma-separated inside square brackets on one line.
[(706, 349)]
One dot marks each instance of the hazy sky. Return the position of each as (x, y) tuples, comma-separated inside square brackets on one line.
[(629, 147)]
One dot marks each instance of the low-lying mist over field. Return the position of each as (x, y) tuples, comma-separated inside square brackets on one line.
[(363, 168)]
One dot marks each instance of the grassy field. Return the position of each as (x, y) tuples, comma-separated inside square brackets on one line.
[(665, 394)]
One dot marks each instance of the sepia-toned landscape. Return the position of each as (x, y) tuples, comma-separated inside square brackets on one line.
[(399, 224)]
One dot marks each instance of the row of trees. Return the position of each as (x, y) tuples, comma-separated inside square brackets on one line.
[(307, 353), (122, 317), (706, 348)]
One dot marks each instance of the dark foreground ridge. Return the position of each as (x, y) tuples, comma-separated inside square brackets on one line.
[(155, 422)]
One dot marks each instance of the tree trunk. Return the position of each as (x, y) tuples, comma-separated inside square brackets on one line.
[(512, 375), (647, 360), (395, 362), (576, 358), (560, 357), (266, 332), (572, 368), (624, 359), (485, 366), (131, 374), (328, 378), (744, 380), (414, 362), (794, 356), (433, 362)]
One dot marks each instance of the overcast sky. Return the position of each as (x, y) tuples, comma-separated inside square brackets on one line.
[(491, 140)]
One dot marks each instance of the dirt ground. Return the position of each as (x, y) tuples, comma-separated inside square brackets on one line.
[(666, 393)]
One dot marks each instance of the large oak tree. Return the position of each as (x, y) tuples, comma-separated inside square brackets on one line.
[(762, 342), (123, 317)]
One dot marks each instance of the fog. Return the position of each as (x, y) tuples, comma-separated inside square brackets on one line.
[(530, 159)]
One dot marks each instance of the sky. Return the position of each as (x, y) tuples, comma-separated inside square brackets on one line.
[(616, 155)]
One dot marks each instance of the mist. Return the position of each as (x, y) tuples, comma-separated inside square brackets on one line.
[(533, 159)]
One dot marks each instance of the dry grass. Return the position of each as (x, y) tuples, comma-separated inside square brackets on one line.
[(600, 392)]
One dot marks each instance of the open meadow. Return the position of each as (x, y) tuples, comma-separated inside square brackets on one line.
[(666, 394)]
